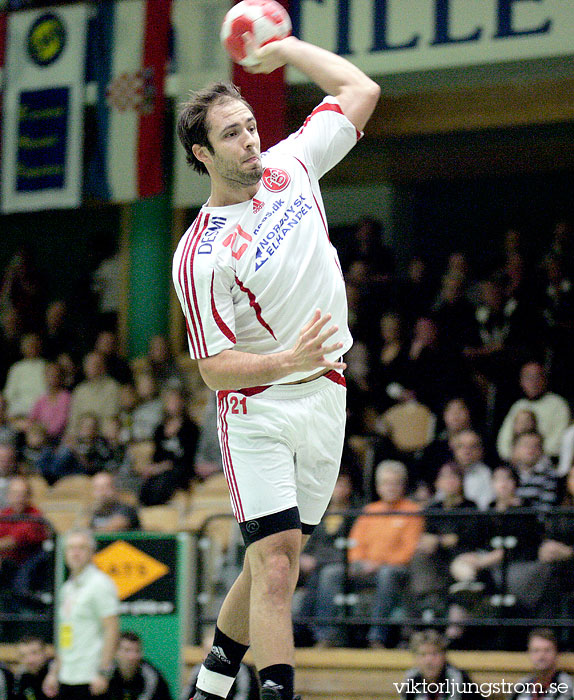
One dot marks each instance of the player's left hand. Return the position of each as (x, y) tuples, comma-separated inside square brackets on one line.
[(270, 57)]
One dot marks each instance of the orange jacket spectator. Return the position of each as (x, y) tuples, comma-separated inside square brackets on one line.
[(389, 539)]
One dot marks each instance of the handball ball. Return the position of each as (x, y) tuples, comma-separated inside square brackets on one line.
[(265, 20)]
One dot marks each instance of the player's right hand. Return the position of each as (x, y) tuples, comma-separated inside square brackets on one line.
[(310, 351), (50, 685), (269, 57)]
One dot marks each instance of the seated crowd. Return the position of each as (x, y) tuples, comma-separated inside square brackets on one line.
[(459, 419)]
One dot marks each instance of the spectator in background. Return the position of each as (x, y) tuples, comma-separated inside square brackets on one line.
[(70, 373), (26, 380), (8, 468), (21, 535), (246, 685), (163, 364), (453, 312), (106, 286), (562, 244), (148, 412), (134, 678), (7, 432), (538, 482), (432, 670), (35, 441), (384, 541), (456, 417), (89, 447), (357, 357), (477, 477), (52, 461), (53, 407), (389, 367), (88, 626), (434, 371), (492, 354), (128, 400), (557, 554), (546, 680), (98, 393), (558, 311), (492, 567), (111, 433), (21, 291), (444, 538), (109, 512), (208, 458), (58, 336), (525, 421), (414, 294), (552, 411), (10, 338), (33, 664), (175, 444), (324, 548), (116, 367)]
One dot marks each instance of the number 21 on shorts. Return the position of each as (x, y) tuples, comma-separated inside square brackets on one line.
[(238, 406)]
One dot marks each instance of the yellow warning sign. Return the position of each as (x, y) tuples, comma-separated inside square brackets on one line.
[(130, 568)]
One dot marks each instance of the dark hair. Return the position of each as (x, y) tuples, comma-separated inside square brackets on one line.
[(544, 633), (129, 636), (192, 126)]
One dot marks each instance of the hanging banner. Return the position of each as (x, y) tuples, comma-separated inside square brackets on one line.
[(386, 37), (43, 109), (129, 59), (200, 60)]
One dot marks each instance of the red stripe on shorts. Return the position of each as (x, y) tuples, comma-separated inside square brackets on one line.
[(226, 455)]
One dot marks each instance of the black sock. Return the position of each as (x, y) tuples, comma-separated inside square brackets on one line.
[(281, 677), (226, 655)]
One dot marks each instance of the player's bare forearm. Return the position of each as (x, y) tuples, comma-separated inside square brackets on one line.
[(356, 92), (232, 370)]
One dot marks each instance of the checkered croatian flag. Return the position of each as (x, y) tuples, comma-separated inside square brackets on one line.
[(131, 47)]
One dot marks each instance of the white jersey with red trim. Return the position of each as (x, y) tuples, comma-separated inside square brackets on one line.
[(250, 275)]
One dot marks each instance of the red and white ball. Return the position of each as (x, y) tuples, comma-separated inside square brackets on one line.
[(265, 20)]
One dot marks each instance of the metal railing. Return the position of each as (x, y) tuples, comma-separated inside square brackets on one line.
[(497, 604)]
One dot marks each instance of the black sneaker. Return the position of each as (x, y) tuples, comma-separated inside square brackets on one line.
[(272, 694), (200, 695)]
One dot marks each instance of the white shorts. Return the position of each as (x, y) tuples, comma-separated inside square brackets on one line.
[(282, 445)]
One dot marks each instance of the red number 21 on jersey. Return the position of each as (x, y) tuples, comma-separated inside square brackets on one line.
[(234, 240)]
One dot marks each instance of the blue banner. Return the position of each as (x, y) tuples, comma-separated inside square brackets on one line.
[(43, 125)]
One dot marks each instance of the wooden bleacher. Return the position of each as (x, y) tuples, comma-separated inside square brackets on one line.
[(365, 674), (361, 674)]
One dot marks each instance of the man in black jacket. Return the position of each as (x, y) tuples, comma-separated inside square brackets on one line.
[(133, 677), (434, 677), (34, 661)]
